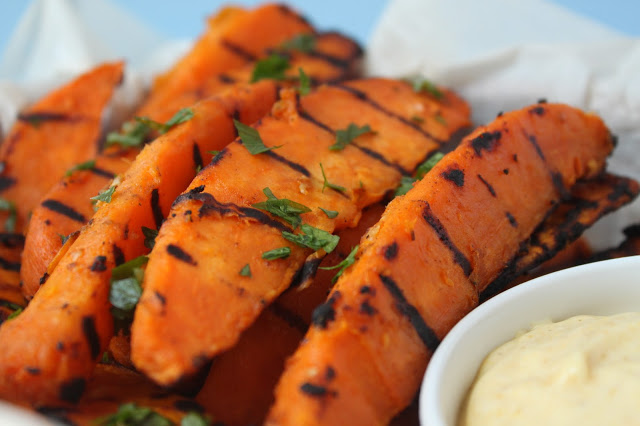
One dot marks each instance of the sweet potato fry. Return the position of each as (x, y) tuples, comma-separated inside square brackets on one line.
[(214, 231), (423, 266), (73, 305)]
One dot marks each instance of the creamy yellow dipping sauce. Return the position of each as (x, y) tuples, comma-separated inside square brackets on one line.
[(581, 371)]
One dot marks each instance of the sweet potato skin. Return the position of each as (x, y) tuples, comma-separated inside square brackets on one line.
[(73, 305), (421, 268)]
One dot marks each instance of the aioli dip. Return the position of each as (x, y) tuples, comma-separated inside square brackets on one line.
[(581, 371)]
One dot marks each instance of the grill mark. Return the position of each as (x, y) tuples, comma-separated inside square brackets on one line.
[(224, 78), (44, 278), (91, 335), (391, 251), (454, 175), (306, 272), (180, 254), (488, 185), (377, 156), (426, 334), (158, 217), (332, 60), (197, 157), (102, 172), (487, 141), (71, 390), (558, 184), (314, 390), (365, 98), (443, 235), (292, 319), (219, 156), (306, 116), (35, 118), (534, 142), (9, 266), (512, 220), (367, 309), (538, 110), (295, 166), (238, 50), (289, 12), (118, 255), (63, 209), (11, 240), (324, 313), (6, 182), (99, 264)]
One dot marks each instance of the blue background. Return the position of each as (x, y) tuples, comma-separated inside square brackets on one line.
[(357, 18)]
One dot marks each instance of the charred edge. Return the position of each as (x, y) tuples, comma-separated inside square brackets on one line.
[(197, 157), (295, 166), (291, 318), (9, 266), (363, 97), (118, 255), (160, 297), (216, 158), (488, 185), (102, 172), (426, 334), (306, 272), (499, 114), (11, 240), (285, 10), (59, 414), (324, 313), (315, 391), (225, 79), (537, 110), (91, 335), (366, 289), (443, 235), (534, 142), (72, 390), (189, 385), (621, 189), (487, 141), (632, 231), (454, 140), (44, 278), (186, 405), (558, 184), (158, 217), (99, 264), (391, 251), (61, 208), (180, 254), (381, 158), (6, 182), (39, 117), (238, 50), (454, 175), (512, 220), (542, 100), (367, 309)]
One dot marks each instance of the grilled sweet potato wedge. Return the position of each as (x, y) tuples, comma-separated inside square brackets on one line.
[(73, 305), (331, 57), (213, 231), (424, 265)]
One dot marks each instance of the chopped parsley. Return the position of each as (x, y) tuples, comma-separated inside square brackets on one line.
[(194, 419), (421, 84), (251, 139), (305, 83), (313, 238), (105, 195), (304, 43), (14, 314), (417, 119), (149, 237), (345, 136), (328, 184), (87, 165), (214, 152), (331, 214), (185, 114), (406, 183), (131, 414), (64, 238), (134, 133), (126, 289), (272, 67), (440, 119), (279, 253), (246, 271), (10, 222), (286, 209), (348, 261)]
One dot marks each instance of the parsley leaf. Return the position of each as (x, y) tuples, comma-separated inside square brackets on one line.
[(87, 165), (331, 214), (348, 261), (134, 133), (104, 195), (417, 119), (133, 415), (305, 83), (194, 419), (125, 290), (185, 114), (346, 136), (214, 152), (328, 184), (14, 314), (149, 237), (245, 271), (421, 84), (9, 206), (251, 139), (272, 67), (279, 253), (313, 238), (440, 119), (304, 43), (406, 183), (288, 210)]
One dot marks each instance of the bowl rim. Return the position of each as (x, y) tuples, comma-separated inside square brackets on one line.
[(563, 282)]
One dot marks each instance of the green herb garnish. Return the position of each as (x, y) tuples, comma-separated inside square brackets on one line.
[(279, 253), (214, 152), (348, 261), (440, 119), (149, 237), (331, 214), (421, 84), (105, 195), (417, 119), (286, 209), (185, 114), (313, 238), (346, 136), (406, 182), (305, 83), (304, 43), (14, 314), (87, 165), (133, 415), (133, 133), (251, 139), (10, 222), (125, 290), (194, 419), (328, 184), (246, 271), (272, 67)]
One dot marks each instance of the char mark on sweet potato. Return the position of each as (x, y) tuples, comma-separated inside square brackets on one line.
[(61, 208)]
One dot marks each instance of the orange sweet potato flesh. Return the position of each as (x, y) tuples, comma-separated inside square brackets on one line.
[(213, 231), (422, 267), (67, 207), (67, 324), (56, 133)]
